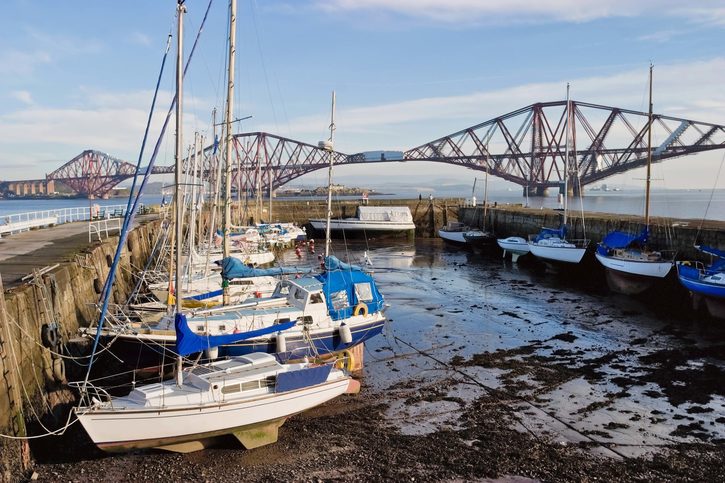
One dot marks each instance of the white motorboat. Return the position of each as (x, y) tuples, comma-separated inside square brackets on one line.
[(515, 245), (371, 219)]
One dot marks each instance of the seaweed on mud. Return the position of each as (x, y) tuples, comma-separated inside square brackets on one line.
[(682, 383)]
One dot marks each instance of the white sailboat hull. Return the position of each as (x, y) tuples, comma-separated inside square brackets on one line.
[(452, 236), (565, 253), (642, 268), (514, 245), (119, 430)]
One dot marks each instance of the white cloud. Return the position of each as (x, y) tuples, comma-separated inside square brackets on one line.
[(23, 96), (525, 11), (114, 121), (18, 63), (140, 39), (702, 100)]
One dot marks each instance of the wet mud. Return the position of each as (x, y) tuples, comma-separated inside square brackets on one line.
[(487, 370)]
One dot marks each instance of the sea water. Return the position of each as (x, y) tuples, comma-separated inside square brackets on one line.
[(672, 204)]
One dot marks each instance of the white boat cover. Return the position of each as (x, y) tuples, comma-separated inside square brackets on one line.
[(384, 213)]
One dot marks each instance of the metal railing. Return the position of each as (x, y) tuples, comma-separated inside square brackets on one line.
[(18, 222), (100, 228)]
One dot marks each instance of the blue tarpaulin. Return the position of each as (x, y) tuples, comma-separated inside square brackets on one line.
[(344, 280), (188, 342), (311, 376), (235, 268), (551, 233)]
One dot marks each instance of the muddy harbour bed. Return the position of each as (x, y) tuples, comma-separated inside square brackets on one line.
[(486, 370)]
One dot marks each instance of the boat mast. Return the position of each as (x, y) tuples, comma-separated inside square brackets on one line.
[(649, 154), (180, 10), (226, 249), (566, 154), (485, 197), (331, 148)]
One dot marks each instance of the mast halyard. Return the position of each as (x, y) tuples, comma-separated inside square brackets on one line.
[(649, 154), (331, 148), (226, 249)]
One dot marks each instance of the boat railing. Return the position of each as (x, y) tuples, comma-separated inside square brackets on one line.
[(668, 254), (580, 242), (91, 395)]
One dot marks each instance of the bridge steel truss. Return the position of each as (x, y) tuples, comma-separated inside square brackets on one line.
[(94, 173), (527, 146), (260, 159)]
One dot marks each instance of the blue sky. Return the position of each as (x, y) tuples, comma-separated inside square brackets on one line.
[(79, 74)]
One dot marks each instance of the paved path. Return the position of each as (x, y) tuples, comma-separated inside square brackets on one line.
[(20, 253)]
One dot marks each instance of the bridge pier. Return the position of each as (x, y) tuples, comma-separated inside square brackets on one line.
[(535, 191)]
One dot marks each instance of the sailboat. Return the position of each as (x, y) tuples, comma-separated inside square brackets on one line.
[(480, 238), (331, 311), (552, 244), (248, 397), (631, 265), (706, 283)]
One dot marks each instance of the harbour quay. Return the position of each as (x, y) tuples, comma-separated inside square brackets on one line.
[(486, 369)]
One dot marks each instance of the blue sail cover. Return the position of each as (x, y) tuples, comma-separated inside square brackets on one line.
[(718, 265), (188, 342), (334, 263), (551, 233), (618, 239), (339, 280), (235, 268), (711, 251)]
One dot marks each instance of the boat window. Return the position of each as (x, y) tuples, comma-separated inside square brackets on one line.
[(269, 381), (316, 298), (281, 321), (282, 289), (200, 328), (300, 294), (241, 282), (222, 328), (339, 299), (306, 320), (364, 292), (250, 385), (230, 389)]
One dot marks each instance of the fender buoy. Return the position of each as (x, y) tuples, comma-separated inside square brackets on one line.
[(345, 333), (49, 336), (59, 369), (360, 308)]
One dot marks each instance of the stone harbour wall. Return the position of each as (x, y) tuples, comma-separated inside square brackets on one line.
[(32, 378)]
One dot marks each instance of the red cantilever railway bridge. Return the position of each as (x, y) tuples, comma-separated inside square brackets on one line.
[(526, 147)]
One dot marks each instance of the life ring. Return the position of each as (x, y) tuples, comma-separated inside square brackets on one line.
[(345, 360), (49, 335), (360, 308)]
